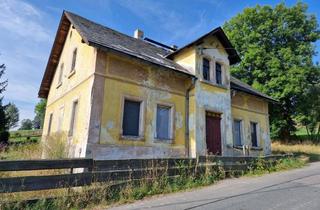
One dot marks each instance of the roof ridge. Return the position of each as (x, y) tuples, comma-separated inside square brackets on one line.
[(118, 32)]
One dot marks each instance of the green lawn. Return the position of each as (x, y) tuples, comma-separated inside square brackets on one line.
[(25, 136)]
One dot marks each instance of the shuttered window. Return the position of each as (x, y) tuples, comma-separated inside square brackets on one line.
[(163, 122), (237, 134), (206, 69), (49, 124), (131, 118)]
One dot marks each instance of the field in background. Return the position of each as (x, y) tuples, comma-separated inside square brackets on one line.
[(307, 149), (25, 136)]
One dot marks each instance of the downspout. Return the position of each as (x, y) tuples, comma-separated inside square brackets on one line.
[(187, 133)]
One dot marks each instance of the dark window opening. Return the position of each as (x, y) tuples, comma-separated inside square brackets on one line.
[(218, 74), (254, 137), (237, 133), (131, 118), (206, 69)]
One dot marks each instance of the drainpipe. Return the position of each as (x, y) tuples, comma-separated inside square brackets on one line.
[(187, 133)]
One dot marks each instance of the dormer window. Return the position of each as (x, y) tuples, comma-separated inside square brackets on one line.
[(206, 69), (218, 74)]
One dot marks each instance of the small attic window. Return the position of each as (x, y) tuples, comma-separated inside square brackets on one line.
[(70, 34)]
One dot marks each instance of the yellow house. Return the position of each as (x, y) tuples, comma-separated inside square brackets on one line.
[(118, 97)]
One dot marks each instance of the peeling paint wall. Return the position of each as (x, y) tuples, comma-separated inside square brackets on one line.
[(76, 86), (125, 77), (248, 108)]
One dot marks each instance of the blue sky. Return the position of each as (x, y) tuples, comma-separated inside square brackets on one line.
[(28, 28)]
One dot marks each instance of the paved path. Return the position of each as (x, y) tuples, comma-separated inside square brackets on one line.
[(295, 189)]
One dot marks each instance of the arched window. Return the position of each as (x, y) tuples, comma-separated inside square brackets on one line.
[(74, 59), (206, 69)]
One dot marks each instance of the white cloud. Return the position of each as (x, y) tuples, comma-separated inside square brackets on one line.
[(22, 19), (26, 38)]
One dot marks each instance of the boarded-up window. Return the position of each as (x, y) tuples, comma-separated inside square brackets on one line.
[(237, 134), (49, 123), (74, 59), (163, 122), (73, 121), (218, 74), (60, 74), (131, 118), (254, 134), (206, 69)]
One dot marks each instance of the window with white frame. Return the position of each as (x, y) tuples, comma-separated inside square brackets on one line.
[(218, 74), (60, 74), (237, 132), (164, 122), (74, 59), (73, 120), (132, 118), (206, 69), (254, 134)]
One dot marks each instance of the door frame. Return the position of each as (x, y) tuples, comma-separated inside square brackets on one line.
[(220, 114)]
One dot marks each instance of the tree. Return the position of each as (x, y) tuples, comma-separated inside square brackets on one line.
[(276, 46), (12, 115), (3, 84), (40, 111), (4, 134), (26, 124)]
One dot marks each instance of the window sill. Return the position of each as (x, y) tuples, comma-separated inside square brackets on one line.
[(59, 84), (132, 138), (71, 73), (256, 148), (238, 147), (214, 84), (165, 141)]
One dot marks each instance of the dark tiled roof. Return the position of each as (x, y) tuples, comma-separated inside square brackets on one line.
[(241, 86), (103, 37)]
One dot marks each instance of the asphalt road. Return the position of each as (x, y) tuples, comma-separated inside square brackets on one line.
[(295, 189)]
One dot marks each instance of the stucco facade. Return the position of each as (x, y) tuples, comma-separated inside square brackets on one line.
[(103, 79)]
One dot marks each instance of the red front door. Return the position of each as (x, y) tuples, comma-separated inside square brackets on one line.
[(213, 133)]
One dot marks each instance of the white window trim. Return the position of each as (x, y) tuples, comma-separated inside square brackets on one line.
[(241, 130), (171, 121), (212, 71), (141, 117)]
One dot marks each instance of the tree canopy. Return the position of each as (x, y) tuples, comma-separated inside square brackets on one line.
[(26, 124), (276, 45), (12, 115), (40, 111)]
